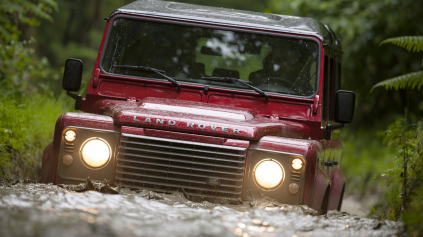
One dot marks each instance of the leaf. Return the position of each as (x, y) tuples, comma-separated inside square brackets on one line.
[(412, 218), (411, 43), (408, 80)]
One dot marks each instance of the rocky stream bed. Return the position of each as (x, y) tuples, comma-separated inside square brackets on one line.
[(96, 209)]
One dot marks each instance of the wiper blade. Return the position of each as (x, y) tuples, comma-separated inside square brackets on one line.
[(235, 80), (150, 69)]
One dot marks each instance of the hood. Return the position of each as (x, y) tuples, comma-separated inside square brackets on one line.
[(199, 118)]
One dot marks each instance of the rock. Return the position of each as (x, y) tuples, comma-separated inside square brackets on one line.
[(90, 185), (377, 226), (107, 189)]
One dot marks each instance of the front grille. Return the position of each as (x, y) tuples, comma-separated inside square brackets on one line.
[(166, 165)]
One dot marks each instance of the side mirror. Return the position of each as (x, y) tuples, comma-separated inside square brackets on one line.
[(72, 79), (73, 75), (344, 106)]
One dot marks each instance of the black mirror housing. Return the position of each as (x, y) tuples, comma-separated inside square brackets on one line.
[(72, 76), (344, 106)]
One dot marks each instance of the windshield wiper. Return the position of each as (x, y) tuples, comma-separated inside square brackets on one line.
[(150, 69), (235, 80)]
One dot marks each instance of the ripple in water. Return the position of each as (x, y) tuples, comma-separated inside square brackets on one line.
[(32, 209)]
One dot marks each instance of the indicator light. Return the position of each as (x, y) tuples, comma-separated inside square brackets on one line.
[(67, 160), (297, 164), (70, 135), (293, 188)]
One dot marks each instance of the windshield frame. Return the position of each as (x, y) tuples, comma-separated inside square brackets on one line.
[(219, 27)]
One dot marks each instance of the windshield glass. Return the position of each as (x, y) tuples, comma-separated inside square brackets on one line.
[(187, 53)]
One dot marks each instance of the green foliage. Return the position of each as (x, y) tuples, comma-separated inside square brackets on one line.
[(26, 127), (362, 25), (364, 157), (15, 12), (412, 80), (413, 215), (19, 68), (414, 43), (407, 142), (27, 109), (401, 82)]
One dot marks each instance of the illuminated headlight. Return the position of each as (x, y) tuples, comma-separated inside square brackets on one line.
[(297, 164), (269, 174), (70, 135), (95, 152)]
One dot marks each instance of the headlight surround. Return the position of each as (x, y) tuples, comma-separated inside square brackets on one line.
[(269, 174), (95, 152)]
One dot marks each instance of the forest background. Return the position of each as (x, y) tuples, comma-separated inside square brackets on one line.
[(37, 36)]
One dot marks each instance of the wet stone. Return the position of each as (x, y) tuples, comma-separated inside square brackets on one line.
[(88, 209)]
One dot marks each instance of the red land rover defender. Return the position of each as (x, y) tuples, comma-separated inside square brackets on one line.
[(217, 102)]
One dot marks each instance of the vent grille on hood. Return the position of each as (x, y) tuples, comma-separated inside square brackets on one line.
[(203, 170)]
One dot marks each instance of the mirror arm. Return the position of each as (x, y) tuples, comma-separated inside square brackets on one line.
[(78, 99), (327, 131), (331, 127)]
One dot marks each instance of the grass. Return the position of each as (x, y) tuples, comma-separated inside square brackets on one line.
[(26, 127), (364, 159)]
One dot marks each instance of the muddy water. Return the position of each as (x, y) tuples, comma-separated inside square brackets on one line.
[(31, 209)]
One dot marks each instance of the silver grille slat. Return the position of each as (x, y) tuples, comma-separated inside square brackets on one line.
[(163, 164), (179, 186), (172, 166), (176, 160), (183, 180), (183, 149), (127, 135), (173, 172), (183, 154)]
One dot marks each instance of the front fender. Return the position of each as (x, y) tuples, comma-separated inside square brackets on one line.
[(338, 182), (321, 183), (46, 172)]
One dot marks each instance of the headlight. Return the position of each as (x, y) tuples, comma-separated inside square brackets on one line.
[(297, 164), (70, 135), (95, 152), (268, 174)]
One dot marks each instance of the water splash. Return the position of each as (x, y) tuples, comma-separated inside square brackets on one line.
[(32, 209)]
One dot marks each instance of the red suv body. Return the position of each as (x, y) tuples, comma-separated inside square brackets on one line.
[(217, 102)]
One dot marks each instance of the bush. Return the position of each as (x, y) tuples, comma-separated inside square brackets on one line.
[(364, 158), (26, 127), (406, 177)]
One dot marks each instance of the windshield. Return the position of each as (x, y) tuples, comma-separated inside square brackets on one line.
[(186, 53)]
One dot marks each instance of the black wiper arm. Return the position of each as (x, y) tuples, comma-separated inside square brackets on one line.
[(234, 80), (150, 69)]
